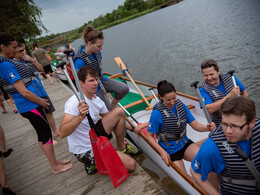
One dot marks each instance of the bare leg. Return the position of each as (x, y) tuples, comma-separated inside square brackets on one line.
[(53, 127), (129, 162), (3, 180), (2, 139), (115, 120), (2, 105), (52, 124), (10, 102), (57, 166), (49, 78), (180, 164), (114, 103), (54, 75), (191, 152)]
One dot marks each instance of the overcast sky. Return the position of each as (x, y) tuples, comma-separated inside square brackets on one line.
[(63, 15)]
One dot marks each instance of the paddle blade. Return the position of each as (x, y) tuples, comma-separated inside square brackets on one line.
[(144, 131), (99, 162), (115, 167)]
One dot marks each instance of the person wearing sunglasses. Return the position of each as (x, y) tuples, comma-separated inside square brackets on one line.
[(217, 87), (90, 55), (16, 80), (35, 67), (239, 128)]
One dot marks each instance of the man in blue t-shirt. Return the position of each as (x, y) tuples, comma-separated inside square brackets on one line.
[(217, 88), (239, 128)]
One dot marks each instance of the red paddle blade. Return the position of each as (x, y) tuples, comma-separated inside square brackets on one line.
[(99, 162), (115, 167)]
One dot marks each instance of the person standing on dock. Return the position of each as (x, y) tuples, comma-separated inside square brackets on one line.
[(45, 60), (168, 122), (90, 55), (217, 88), (16, 79), (35, 66), (76, 127), (239, 129)]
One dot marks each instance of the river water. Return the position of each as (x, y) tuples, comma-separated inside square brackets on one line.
[(172, 43)]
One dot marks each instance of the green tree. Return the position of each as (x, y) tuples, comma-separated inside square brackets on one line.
[(130, 5), (20, 18)]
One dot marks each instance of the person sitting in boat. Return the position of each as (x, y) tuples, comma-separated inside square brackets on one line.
[(217, 88), (76, 127), (239, 128), (168, 121), (90, 55)]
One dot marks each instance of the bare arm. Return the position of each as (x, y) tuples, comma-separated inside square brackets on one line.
[(206, 185), (20, 87), (217, 105), (70, 122), (202, 128), (49, 57), (139, 128), (34, 61), (164, 155)]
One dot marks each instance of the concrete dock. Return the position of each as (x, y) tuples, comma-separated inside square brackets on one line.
[(28, 170)]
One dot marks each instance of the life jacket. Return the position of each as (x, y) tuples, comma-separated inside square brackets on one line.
[(89, 61), (217, 95), (26, 74), (174, 127), (236, 177)]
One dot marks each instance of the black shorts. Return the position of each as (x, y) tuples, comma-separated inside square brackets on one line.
[(47, 69), (179, 154), (51, 107), (102, 131)]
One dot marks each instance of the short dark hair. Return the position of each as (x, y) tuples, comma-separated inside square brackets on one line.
[(209, 63), (165, 87), (6, 39), (239, 105), (84, 71)]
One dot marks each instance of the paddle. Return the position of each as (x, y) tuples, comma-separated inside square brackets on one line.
[(104, 151), (93, 137), (231, 72), (206, 113), (125, 70), (151, 89), (248, 163), (174, 166)]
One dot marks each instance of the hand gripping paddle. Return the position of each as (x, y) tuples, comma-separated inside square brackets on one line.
[(107, 159)]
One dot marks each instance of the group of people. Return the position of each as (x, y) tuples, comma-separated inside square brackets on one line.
[(213, 168)]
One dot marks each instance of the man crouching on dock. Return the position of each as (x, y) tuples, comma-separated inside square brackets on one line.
[(76, 127)]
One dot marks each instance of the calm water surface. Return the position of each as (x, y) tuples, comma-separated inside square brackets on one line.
[(172, 43)]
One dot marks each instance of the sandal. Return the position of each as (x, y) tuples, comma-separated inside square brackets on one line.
[(4, 112), (15, 111)]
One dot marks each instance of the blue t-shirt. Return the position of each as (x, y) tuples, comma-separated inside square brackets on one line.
[(156, 123), (10, 73), (79, 63), (205, 95), (209, 158)]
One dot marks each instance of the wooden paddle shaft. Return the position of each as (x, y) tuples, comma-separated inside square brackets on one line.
[(123, 67)]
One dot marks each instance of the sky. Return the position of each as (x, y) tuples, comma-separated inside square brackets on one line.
[(64, 15)]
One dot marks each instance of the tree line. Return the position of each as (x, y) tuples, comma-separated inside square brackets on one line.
[(21, 18)]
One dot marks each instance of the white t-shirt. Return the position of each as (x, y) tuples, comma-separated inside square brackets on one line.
[(79, 141)]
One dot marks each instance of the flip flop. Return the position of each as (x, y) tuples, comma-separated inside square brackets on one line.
[(4, 112)]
